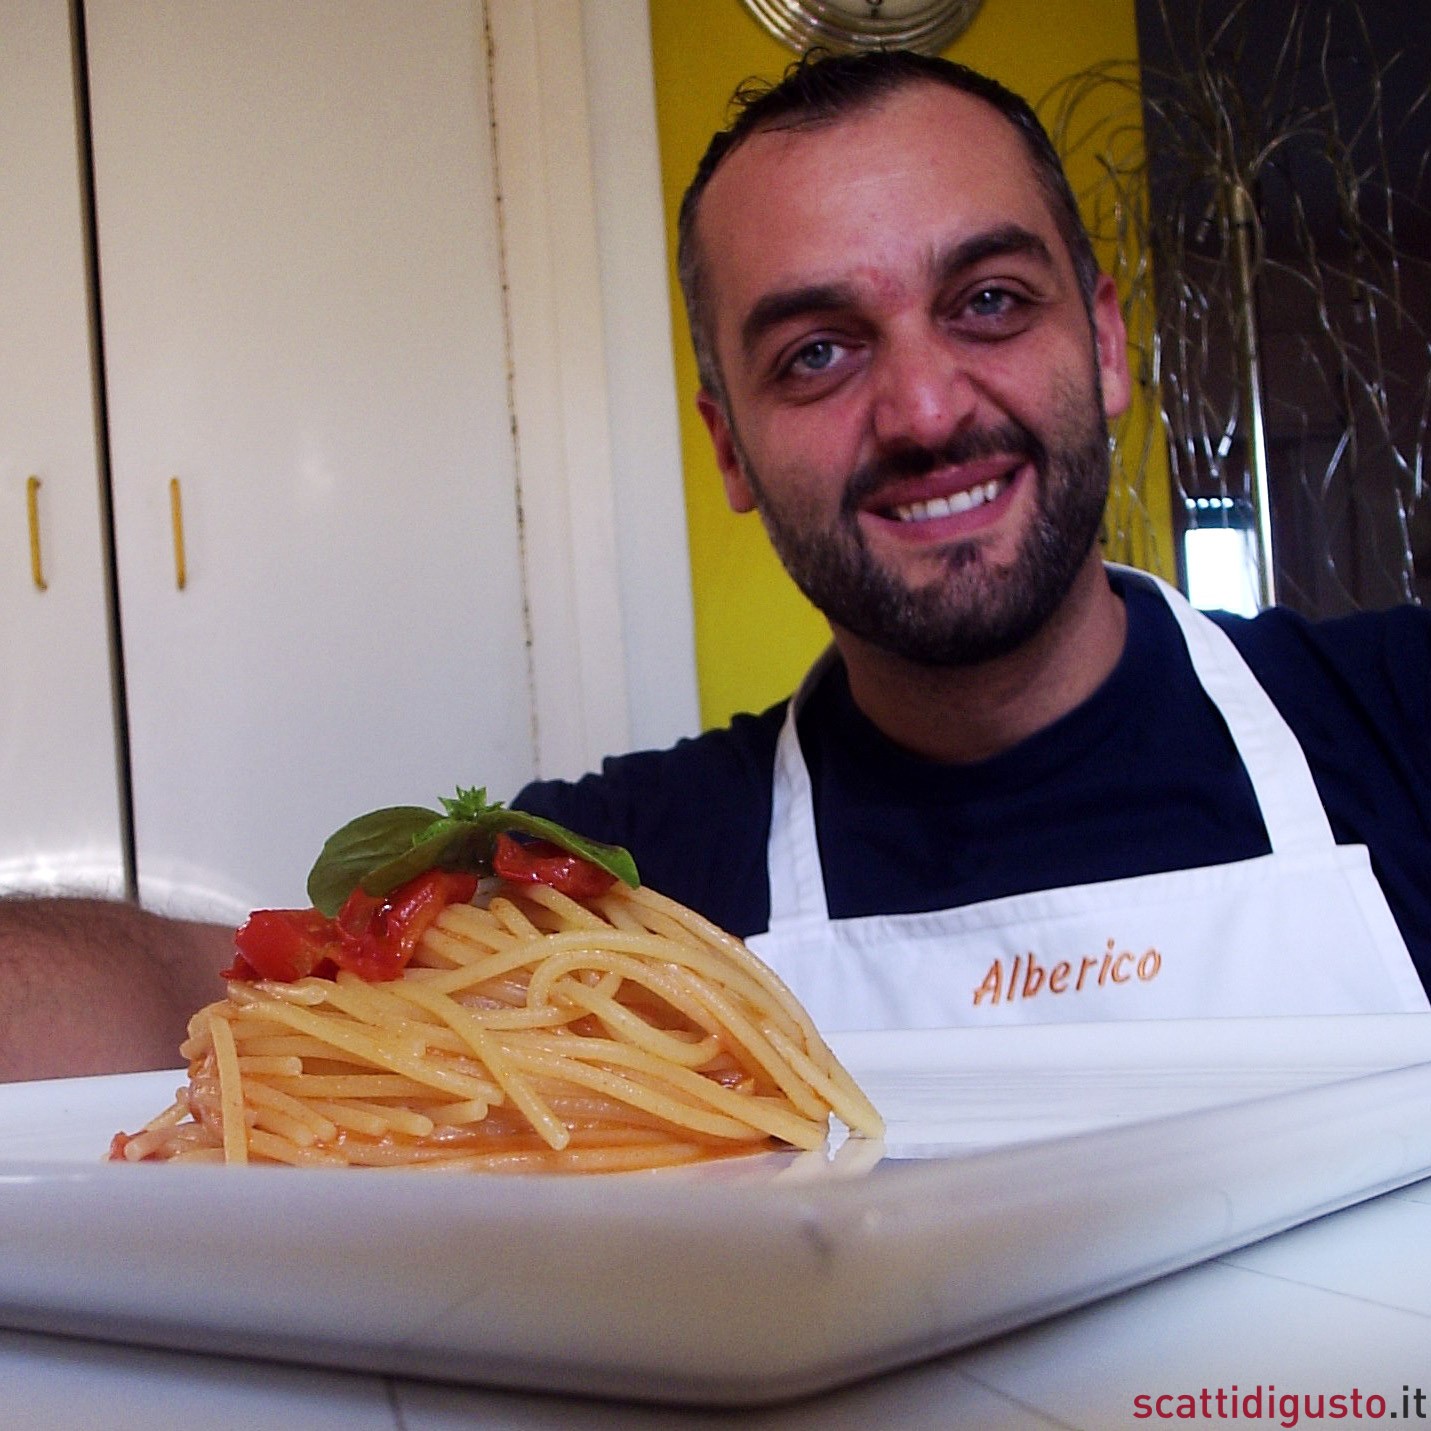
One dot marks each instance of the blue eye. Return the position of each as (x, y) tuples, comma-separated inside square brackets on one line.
[(816, 357), (989, 302)]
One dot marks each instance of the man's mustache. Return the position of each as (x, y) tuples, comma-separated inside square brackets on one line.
[(1010, 439)]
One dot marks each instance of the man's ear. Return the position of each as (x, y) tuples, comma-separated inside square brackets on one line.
[(1110, 336), (737, 489)]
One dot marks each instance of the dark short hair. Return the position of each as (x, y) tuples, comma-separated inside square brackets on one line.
[(821, 88)]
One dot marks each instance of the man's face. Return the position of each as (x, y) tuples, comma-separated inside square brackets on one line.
[(914, 398)]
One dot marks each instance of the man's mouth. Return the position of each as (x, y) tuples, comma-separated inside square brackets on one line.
[(952, 505)]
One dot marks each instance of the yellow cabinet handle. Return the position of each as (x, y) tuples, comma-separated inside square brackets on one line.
[(176, 518), (32, 510)]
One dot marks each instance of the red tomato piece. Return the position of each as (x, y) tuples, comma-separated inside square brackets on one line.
[(379, 937), (373, 937), (282, 944), (541, 862)]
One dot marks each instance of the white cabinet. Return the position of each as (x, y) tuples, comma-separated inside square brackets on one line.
[(380, 396), (60, 793), (300, 278)]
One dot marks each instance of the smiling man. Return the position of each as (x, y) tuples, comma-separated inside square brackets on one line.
[(1020, 786)]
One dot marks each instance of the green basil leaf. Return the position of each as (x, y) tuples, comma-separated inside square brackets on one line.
[(447, 844), (612, 858), (386, 848), (469, 804), (370, 841)]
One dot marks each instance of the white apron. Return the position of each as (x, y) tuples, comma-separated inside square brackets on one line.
[(1302, 930)]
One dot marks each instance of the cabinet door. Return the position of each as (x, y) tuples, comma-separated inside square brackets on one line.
[(303, 324), (60, 822)]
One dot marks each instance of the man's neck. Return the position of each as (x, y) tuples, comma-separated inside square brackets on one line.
[(958, 715)]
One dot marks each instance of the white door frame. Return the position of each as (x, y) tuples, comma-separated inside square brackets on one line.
[(593, 389)]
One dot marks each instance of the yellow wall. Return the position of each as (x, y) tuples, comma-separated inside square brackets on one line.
[(755, 634)]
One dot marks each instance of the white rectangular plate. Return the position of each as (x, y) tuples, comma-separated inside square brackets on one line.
[(1026, 1171)]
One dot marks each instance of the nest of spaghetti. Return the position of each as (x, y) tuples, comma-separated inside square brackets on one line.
[(531, 1032)]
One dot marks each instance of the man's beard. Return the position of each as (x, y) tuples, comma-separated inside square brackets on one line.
[(970, 613)]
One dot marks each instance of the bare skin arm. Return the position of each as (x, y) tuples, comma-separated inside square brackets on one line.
[(98, 986)]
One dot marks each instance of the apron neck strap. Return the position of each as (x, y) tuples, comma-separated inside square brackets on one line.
[(1281, 780), (797, 881)]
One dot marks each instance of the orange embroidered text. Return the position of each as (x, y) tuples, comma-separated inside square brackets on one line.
[(1027, 978)]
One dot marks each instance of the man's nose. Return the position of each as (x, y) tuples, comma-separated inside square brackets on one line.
[(924, 393)]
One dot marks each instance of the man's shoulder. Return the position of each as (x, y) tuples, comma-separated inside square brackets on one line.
[(1380, 657), (1396, 625), (695, 815), (1356, 690), (730, 761)]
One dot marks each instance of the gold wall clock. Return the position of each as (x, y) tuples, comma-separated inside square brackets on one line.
[(847, 25)]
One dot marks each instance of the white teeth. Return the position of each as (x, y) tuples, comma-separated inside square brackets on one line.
[(948, 506)]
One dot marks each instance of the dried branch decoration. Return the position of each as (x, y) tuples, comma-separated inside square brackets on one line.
[(1263, 205)]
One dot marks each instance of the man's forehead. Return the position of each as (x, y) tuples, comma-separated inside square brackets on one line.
[(960, 136), (954, 115), (926, 146)]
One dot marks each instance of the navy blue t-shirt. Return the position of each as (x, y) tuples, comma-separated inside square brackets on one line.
[(1141, 778)]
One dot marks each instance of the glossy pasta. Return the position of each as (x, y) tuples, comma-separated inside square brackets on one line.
[(531, 1032)]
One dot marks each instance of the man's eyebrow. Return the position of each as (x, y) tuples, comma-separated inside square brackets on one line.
[(776, 308), (1007, 240)]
